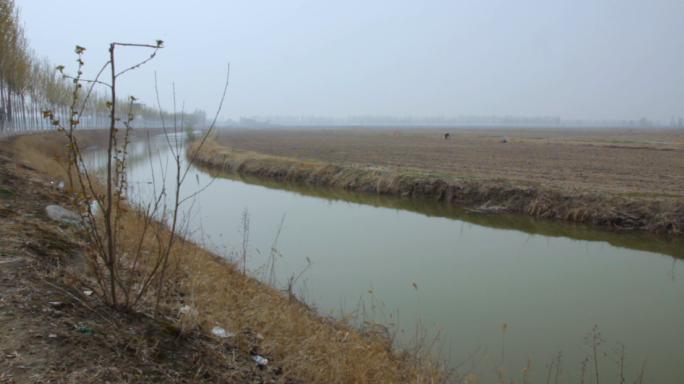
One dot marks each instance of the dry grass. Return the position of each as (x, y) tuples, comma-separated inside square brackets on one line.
[(297, 341), (655, 214), (38, 150), (294, 336)]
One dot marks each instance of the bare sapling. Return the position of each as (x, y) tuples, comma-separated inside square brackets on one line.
[(640, 376), (583, 370), (101, 221), (557, 361), (127, 270), (268, 273), (551, 364), (619, 352), (594, 341), (244, 231), (504, 326), (181, 171)]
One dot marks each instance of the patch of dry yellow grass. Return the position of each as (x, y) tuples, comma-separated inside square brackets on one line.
[(294, 336)]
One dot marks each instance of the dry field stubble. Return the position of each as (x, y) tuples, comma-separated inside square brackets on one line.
[(619, 178), (300, 344), (618, 161)]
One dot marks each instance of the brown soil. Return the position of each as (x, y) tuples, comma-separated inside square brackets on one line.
[(620, 161), (51, 332)]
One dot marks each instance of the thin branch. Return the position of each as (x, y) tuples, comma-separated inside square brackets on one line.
[(89, 81), (140, 45), (161, 115), (194, 194), (87, 97), (141, 63), (213, 123)]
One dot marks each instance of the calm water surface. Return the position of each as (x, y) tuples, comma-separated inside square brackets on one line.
[(551, 282)]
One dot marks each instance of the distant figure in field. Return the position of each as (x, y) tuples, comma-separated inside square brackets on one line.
[(447, 136), (504, 141)]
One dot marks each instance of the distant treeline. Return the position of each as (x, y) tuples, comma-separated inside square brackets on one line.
[(30, 85), (401, 120), (446, 121)]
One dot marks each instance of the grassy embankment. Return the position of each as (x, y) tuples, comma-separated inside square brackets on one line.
[(532, 225), (298, 342), (660, 215)]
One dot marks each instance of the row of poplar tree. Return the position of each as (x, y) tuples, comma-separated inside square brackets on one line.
[(30, 85)]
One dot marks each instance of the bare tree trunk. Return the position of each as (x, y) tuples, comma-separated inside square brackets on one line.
[(108, 210)]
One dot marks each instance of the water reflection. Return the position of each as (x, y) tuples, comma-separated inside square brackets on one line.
[(642, 241)]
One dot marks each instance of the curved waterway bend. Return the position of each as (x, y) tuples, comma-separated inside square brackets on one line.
[(550, 281)]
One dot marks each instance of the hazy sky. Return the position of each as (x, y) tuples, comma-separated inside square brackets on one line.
[(571, 58)]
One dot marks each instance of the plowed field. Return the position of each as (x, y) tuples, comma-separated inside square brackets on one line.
[(638, 162)]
